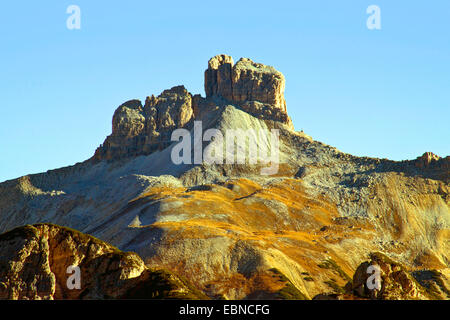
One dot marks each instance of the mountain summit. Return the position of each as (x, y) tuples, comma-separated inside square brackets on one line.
[(140, 129)]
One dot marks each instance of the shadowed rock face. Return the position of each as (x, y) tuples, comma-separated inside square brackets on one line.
[(34, 262)]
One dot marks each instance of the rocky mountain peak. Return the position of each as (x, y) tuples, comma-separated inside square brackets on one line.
[(257, 88), (142, 129)]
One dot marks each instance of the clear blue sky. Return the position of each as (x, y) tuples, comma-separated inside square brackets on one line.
[(381, 93)]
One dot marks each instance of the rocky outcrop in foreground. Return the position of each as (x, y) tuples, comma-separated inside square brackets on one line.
[(395, 282), (38, 262)]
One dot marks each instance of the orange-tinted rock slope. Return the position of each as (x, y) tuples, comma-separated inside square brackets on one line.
[(300, 233)]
